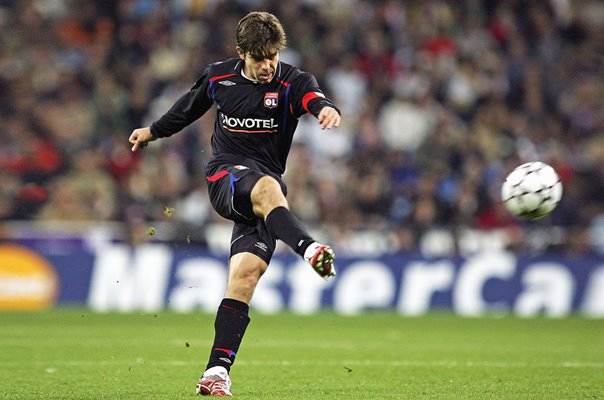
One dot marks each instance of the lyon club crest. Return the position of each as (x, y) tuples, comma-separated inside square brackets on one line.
[(271, 99)]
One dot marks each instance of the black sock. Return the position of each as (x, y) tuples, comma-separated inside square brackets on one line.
[(230, 324), (282, 224)]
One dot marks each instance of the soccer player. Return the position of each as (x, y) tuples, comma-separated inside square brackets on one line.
[(259, 100)]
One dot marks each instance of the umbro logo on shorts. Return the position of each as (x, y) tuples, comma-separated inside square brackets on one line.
[(227, 83), (261, 246)]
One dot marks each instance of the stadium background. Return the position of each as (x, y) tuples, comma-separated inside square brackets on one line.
[(440, 100)]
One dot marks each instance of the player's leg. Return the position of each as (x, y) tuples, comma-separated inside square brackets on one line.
[(270, 204), (245, 270)]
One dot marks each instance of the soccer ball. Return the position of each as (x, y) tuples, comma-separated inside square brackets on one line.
[(532, 190)]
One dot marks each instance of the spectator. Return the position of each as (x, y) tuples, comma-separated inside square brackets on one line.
[(454, 94)]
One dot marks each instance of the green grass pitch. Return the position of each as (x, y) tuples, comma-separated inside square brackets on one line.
[(78, 354)]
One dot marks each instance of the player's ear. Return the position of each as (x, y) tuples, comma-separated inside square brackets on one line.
[(241, 53)]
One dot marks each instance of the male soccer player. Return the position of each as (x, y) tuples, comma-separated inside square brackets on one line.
[(259, 100)]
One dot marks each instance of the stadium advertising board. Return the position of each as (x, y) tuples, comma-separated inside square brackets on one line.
[(27, 280), (155, 277)]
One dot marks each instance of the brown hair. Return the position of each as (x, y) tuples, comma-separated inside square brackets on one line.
[(260, 34)]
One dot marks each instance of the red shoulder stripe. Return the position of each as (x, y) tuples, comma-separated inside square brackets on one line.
[(286, 84), (221, 76), (216, 176)]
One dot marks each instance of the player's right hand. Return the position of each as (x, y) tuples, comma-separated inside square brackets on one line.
[(139, 138)]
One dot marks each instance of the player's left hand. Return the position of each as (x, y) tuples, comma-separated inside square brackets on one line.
[(329, 118)]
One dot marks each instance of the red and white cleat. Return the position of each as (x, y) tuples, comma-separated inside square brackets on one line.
[(214, 382), (320, 257)]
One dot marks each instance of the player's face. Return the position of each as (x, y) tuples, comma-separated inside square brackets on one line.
[(260, 68)]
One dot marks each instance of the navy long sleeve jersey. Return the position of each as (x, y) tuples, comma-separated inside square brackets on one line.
[(255, 121)]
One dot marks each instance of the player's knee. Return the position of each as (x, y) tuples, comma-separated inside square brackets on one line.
[(267, 185), (243, 282), (266, 196)]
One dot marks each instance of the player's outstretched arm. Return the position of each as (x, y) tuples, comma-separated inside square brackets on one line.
[(329, 118), (139, 138)]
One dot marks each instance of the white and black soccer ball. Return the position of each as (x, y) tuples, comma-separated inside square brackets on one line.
[(532, 190)]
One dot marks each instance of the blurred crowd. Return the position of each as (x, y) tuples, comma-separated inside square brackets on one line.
[(440, 100)]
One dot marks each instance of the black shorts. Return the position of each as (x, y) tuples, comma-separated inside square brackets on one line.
[(229, 189)]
